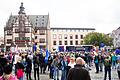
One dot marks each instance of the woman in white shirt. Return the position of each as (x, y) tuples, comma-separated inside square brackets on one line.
[(72, 62)]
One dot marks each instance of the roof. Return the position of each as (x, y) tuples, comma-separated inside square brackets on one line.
[(74, 28), (39, 20), (35, 20)]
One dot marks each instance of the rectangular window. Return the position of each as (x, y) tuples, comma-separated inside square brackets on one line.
[(35, 37), (9, 41), (65, 42), (54, 36), (81, 42), (71, 42), (65, 36), (27, 30), (76, 42), (60, 42), (9, 32), (71, 36), (17, 30), (60, 36), (81, 36), (42, 32), (42, 40), (76, 36), (54, 42), (35, 31)]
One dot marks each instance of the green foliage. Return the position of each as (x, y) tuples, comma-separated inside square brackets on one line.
[(96, 39)]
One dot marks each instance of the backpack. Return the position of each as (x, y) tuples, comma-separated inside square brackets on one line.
[(107, 63), (19, 73)]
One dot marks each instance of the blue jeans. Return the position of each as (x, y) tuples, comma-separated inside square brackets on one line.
[(64, 75), (114, 64), (101, 66), (56, 73)]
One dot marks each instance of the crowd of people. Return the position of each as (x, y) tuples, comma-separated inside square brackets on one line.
[(62, 66)]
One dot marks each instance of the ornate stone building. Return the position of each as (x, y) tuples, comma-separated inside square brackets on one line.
[(25, 30)]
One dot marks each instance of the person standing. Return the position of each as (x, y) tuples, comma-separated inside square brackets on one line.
[(64, 68), (19, 69), (28, 68), (36, 67), (101, 60), (55, 65), (107, 64), (114, 60), (118, 67), (3, 63), (78, 72), (96, 61), (41, 62), (72, 62)]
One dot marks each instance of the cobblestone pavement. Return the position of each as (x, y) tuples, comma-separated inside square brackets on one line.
[(100, 75), (94, 76)]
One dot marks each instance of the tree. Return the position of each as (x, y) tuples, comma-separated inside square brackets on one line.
[(96, 39)]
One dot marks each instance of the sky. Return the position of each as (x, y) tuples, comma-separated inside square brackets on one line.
[(103, 15)]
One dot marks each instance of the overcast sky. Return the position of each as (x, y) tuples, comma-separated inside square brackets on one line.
[(103, 15)]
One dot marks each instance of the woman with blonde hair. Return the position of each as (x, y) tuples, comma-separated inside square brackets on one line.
[(72, 62)]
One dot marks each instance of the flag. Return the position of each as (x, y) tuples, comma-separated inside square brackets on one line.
[(102, 45), (47, 55), (34, 48), (117, 51)]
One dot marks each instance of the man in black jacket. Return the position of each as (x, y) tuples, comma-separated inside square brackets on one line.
[(36, 67), (3, 63), (78, 72)]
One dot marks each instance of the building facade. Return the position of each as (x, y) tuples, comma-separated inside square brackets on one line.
[(116, 37), (65, 39), (2, 44), (24, 31)]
